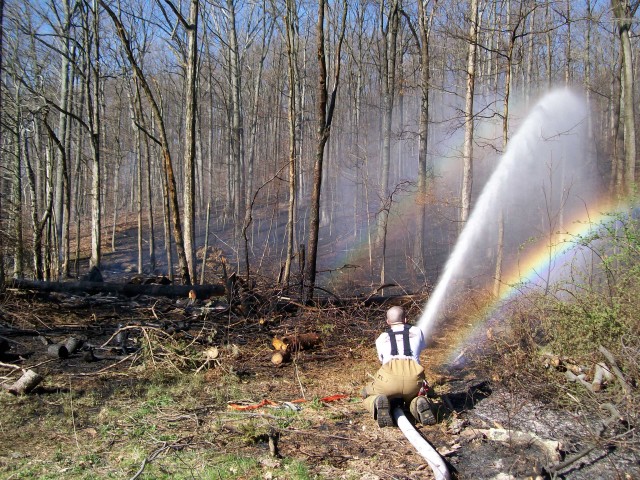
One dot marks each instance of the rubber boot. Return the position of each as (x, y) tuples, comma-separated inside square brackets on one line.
[(420, 408), (383, 411)]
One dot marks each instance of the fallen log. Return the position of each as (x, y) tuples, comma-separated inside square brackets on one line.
[(126, 289), (292, 343), (58, 351), (27, 382), (73, 344), (302, 341)]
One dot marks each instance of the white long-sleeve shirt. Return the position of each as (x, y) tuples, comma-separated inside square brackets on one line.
[(416, 341)]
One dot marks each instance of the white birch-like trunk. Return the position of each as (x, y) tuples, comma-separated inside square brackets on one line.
[(190, 140), (467, 154)]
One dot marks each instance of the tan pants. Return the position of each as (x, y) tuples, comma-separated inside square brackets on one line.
[(397, 379)]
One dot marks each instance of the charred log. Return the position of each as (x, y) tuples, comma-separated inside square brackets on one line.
[(73, 344), (58, 351), (129, 290)]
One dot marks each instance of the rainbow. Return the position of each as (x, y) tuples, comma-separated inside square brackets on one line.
[(531, 269)]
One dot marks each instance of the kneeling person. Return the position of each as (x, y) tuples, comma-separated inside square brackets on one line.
[(401, 376)]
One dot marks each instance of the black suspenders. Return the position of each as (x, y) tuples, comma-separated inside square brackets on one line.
[(405, 341)]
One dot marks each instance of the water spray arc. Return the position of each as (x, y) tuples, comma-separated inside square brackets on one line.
[(549, 143)]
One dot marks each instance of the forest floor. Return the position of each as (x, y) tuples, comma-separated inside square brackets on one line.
[(193, 394)]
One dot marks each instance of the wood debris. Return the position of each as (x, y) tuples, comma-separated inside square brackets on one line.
[(289, 344)]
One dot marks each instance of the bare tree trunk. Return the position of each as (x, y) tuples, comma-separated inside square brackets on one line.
[(206, 245), (549, 44), (18, 253), (63, 134), (236, 113), (116, 199), (152, 238), (2, 253), (266, 40), (528, 86), (38, 224), (291, 52), (568, 59), (138, 150), (587, 77), (78, 177), (66, 179), (617, 170), (390, 36), (166, 212), (324, 113), (623, 14), (191, 26), (93, 107), (425, 169), (467, 174)]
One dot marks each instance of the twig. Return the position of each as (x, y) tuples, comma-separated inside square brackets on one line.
[(572, 459), (155, 454), (615, 416), (102, 370), (8, 365), (73, 417), (295, 365), (144, 464), (146, 335)]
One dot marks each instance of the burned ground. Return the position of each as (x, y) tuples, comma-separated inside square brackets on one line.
[(193, 394)]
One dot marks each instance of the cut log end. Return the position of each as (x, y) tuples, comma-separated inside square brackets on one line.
[(280, 357), (73, 344), (58, 351)]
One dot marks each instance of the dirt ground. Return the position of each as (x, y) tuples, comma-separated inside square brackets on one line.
[(191, 391)]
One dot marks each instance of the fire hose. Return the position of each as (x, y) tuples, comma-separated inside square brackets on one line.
[(426, 451)]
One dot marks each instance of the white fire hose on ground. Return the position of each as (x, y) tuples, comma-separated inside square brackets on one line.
[(423, 447)]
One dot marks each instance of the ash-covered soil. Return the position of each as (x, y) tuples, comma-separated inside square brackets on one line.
[(485, 431)]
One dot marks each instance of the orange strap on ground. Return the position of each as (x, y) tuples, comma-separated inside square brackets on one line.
[(265, 402), (333, 398)]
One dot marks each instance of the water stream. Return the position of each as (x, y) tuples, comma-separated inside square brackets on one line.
[(544, 173)]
